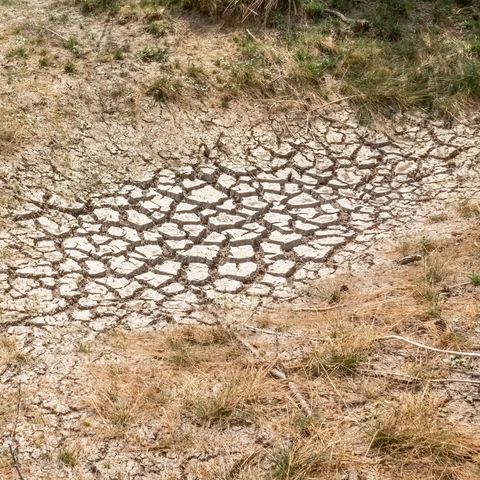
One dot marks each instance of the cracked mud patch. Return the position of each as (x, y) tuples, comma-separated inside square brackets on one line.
[(169, 241)]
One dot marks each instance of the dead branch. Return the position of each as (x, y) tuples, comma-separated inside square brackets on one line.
[(409, 259), (410, 378), (357, 24), (13, 433), (323, 309), (427, 347), (65, 39)]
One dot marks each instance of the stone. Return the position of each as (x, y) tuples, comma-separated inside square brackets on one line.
[(138, 220), (241, 253), (287, 241), (302, 200), (224, 221)]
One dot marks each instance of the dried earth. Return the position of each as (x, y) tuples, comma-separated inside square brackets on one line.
[(169, 218)]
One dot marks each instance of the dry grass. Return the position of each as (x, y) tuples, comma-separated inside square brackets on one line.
[(194, 392), (126, 396), (241, 396), (469, 209), (414, 56), (344, 354), (317, 456), (10, 354), (413, 431)]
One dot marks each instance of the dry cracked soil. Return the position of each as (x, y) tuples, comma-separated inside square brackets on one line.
[(191, 216)]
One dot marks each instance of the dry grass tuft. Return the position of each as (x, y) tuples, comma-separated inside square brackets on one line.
[(241, 397), (348, 349), (469, 209), (126, 395), (10, 353), (412, 431), (318, 456)]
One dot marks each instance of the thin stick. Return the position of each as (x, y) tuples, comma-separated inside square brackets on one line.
[(323, 309), (268, 332), (427, 347), (55, 33), (254, 38), (338, 100), (405, 377), (15, 463), (13, 433), (360, 23)]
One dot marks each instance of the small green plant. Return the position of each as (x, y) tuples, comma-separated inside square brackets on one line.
[(68, 457), (69, 68), (475, 279), (157, 28), (314, 9), (343, 356), (164, 88), (153, 54), (98, 6), (17, 52), (72, 45)]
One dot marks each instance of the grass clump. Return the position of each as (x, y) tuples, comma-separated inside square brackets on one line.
[(469, 209), (153, 54), (10, 354), (435, 270), (344, 354), (318, 455), (474, 279), (17, 52), (413, 432), (68, 457), (99, 6), (164, 88), (238, 399), (72, 45), (69, 68), (124, 395), (157, 28)]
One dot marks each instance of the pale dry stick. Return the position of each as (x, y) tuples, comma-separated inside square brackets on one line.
[(65, 39), (361, 23), (427, 347), (252, 36), (268, 332), (457, 285), (286, 334), (279, 375), (408, 378), (323, 309), (333, 102), (13, 433)]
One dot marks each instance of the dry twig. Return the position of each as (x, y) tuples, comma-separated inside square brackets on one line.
[(427, 347)]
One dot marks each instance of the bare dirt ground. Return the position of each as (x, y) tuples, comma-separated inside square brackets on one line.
[(157, 258)]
